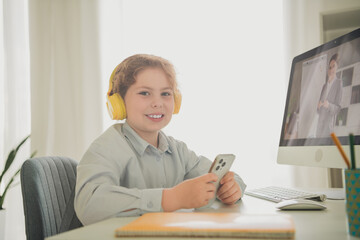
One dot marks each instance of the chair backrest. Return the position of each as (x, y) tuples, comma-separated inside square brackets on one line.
[(48, 189)]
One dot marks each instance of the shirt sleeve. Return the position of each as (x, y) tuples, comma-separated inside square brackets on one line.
[(98, 194)]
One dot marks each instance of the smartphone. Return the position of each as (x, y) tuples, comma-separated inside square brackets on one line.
[(220, 166)]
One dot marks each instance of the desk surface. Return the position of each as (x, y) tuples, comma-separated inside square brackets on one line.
[(330, 224)]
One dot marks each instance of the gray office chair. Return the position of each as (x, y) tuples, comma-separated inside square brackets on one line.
[(48, 189)]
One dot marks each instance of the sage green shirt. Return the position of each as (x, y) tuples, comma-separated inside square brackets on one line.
[(121, 171)]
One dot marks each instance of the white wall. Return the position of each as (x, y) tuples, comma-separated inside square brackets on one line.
[(229, 60)]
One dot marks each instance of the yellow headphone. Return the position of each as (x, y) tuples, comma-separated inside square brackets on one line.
[(116, 105)]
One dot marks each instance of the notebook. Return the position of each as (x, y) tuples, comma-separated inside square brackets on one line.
[(201, 224)]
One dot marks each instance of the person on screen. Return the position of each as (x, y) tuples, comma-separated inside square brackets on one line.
[(329, 104), (133, 167)]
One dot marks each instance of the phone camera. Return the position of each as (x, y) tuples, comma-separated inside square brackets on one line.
[(223, 164), (221, 160), (217, 168)]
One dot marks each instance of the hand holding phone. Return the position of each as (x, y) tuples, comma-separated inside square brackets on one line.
[(220, 167)]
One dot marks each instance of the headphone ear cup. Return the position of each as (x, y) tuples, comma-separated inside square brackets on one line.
[(177, 102), (116, 107)]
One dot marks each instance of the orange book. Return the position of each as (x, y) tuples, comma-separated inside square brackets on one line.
[(201, 224)]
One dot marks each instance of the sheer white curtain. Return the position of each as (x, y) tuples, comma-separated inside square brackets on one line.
[(65, 76), (58, 43), (14, 104)]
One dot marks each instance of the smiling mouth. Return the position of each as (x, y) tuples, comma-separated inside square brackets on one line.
[(155, 116)]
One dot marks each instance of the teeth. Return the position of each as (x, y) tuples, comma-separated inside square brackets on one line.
[(155, 116)]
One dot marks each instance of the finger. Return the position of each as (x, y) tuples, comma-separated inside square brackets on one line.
[(231, 199), (201, 203), (228, 177), (236, 196), (227, 193), (225, 187), (210, 177), (210, 187), (210, 195)]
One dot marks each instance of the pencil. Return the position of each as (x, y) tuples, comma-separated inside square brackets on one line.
[(341, 150), (352, 152)]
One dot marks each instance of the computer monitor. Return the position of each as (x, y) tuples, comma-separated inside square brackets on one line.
[(323, 97)]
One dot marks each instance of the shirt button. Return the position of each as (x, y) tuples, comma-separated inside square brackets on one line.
[(150, 205)]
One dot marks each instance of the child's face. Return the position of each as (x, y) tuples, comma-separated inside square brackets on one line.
[(149, 102)]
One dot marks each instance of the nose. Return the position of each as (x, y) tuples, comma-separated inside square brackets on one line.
[(156, 102)]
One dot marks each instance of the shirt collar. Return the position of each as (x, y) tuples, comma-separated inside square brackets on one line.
[(140, 145), (164, 143)]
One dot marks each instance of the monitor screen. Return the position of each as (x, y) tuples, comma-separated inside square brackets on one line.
[(323, 97)]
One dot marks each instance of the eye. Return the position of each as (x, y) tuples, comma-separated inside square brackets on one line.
[(166, 94), (144, 93)]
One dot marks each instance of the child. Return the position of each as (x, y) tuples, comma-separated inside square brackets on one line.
[(133, 167)]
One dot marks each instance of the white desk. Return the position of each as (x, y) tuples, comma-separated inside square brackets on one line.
[(329, 224)]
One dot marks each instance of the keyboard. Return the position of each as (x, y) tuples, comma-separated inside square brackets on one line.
[(278, 194)]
